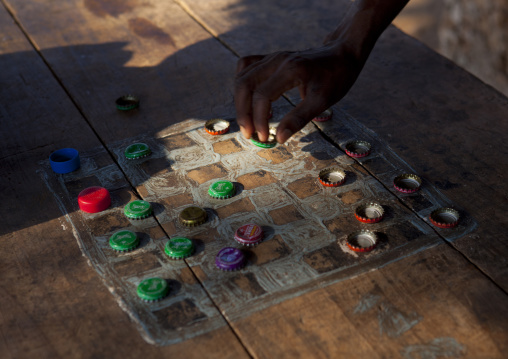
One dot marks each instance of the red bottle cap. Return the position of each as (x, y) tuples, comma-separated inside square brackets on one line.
[(362, 241), (370, 212), (249, 234), (332, 177), (325, 116), (358, 149), (94, 199), (445, 217), (217, 126), (407, 183)]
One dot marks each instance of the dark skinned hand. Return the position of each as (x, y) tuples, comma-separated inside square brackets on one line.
[(323, 76)]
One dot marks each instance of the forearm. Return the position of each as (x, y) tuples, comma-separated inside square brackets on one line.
[(364, 22)]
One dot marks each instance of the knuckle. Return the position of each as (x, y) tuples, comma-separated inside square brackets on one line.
[(280, 56), (241, 83), (259, 95), (241, 64), (296, 66)]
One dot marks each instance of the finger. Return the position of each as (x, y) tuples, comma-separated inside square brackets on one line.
[(247, 61), (302, 89), (243, 106), (244, 88), (266, 93), (253, 113), (260, 115), (297, 118), (248, 79)]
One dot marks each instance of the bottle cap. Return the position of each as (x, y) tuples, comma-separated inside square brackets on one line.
[(138, 209), (127, 102), (124, 241), (217, 126), (221, 189), (179, 247), (407, 183), (271, 142), (230, 259), (249, 234), (362, 241), (358, 149), (193, 216), (332, 177), (153, 289), (137, 150), (64, 160), (94, 199), (369, 212), (325, 116), (445, 217)]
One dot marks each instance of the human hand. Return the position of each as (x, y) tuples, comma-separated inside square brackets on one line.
[(323, 76)]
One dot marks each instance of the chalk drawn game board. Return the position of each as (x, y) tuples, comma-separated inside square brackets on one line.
[(305, 223)]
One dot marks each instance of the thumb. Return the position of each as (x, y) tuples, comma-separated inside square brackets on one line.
[(298, 117)]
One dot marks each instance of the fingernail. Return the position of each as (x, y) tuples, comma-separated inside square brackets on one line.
[(244, 132), (261, 138), (285, 135)]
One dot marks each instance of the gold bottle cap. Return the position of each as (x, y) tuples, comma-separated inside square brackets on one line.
[(193, 216)]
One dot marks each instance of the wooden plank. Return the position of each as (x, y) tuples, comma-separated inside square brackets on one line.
[(427, 305), (54, 305), (446, 279), (51, 303), (305, 223), (103, 50), (444, 122), (310, 336)]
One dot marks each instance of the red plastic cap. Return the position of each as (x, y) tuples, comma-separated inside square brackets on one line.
[(94, 199)]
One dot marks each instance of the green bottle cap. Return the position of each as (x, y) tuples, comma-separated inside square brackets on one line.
[(127, 103), (193, 216), (270, 142), (124, 241), (152, 289), (137, 150), (222, 189), (179, 248), (137, 209)]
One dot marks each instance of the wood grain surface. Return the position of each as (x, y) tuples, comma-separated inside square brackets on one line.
[(446, 301), (52, 304), (443, 121)]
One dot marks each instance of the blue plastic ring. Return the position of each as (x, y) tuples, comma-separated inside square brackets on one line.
[(65, 160)]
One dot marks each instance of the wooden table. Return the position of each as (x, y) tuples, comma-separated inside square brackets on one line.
[(63, 65)]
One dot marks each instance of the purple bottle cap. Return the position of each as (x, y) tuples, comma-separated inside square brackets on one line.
[(230, 259)]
